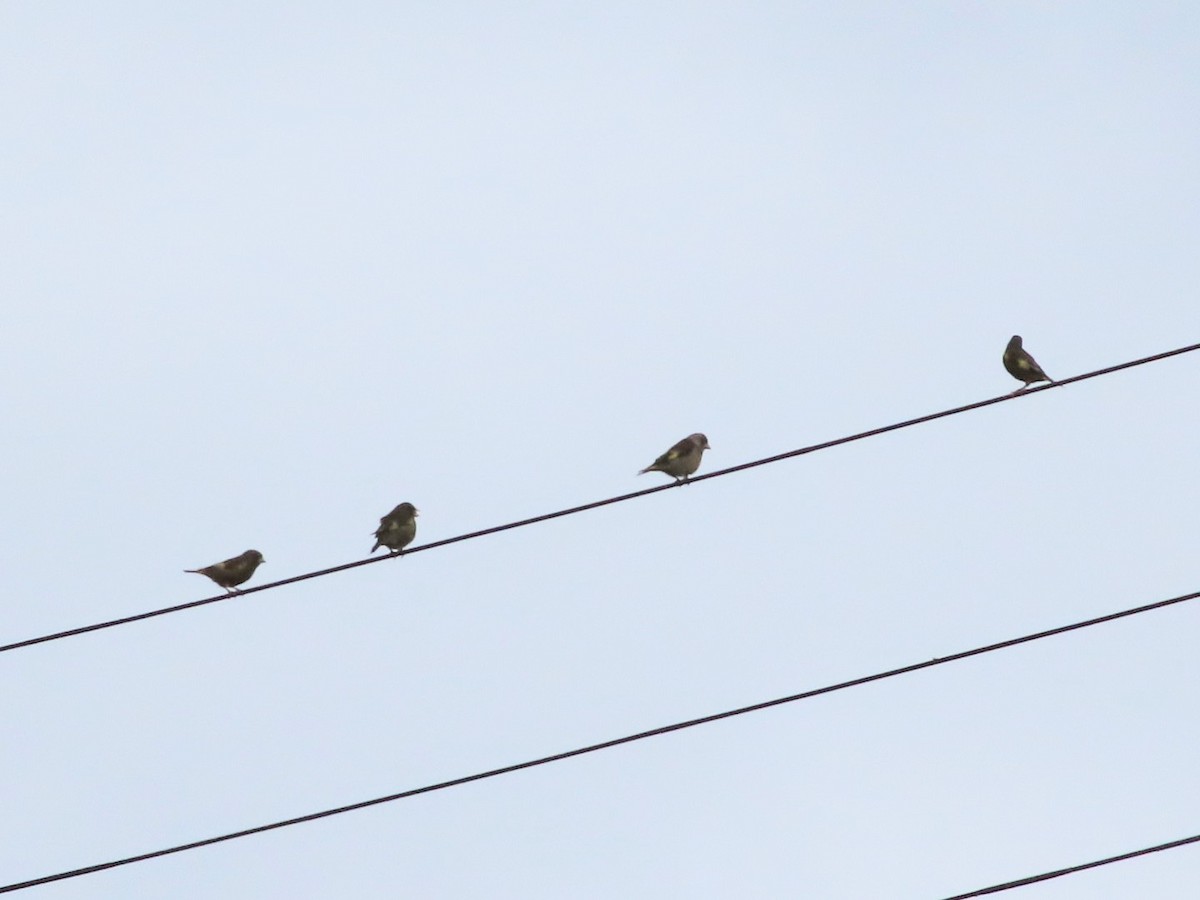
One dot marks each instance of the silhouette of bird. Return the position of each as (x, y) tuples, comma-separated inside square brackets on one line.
[(1022, 366), (397, 529), (231, 572), (681, 460)]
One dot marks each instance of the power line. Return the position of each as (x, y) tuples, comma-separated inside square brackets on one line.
[(621, 498), (603, 745), (1058, 873)]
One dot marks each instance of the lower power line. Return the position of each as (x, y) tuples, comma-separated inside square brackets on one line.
[(628, 739), (1071, 870)]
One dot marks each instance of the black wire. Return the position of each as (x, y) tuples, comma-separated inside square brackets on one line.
[(1058, 873), (84, 629), (603, 745)]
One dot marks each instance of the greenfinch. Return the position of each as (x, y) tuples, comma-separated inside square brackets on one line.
[(681, 460), (1022, 366), (231, 572), (397, 529)]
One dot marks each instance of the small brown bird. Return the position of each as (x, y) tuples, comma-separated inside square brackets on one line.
[(1022, 366), (681, 460), (231, 572), (397, 529)]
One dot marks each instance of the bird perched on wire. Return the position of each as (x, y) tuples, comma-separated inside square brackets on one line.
[(397, 529), (231, 572), (681, 460), (1022, 366)]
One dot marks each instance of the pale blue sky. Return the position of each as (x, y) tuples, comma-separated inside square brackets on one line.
[(274, 267)]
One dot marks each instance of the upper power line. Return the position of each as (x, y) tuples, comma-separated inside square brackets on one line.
[(615, 742), (620, 498)]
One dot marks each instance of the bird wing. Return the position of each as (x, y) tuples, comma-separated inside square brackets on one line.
[(683, 448)]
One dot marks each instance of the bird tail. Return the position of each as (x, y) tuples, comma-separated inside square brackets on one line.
[(376, 547), (645, 470)]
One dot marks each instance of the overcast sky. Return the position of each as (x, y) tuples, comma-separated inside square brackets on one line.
[(272, 268)]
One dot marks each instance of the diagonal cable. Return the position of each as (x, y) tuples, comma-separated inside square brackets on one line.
[(1071, 870), (620, 498), (603, 745)]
